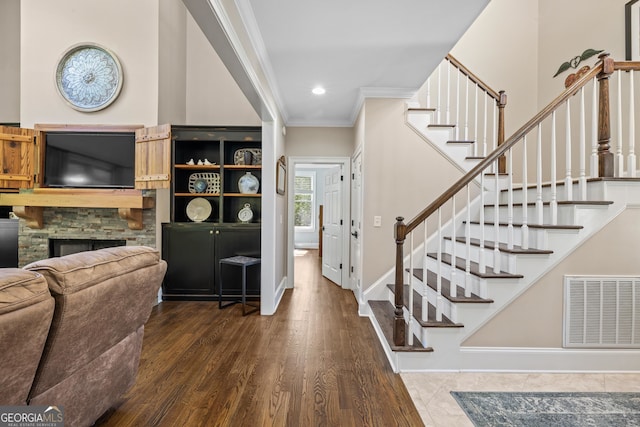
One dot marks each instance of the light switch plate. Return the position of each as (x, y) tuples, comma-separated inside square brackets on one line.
[(377, 221)]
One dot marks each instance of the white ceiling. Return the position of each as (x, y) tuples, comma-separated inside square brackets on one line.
[(353, 48)]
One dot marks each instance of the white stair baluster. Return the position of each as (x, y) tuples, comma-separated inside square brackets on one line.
[(554, 190), (510, 231), (439, 103), (467, 233), (429, 82), (410, 283), (439, 269), (454, 271), (539, 204), (484, 126), (466, 110), (525, 200), (457, 123), (594, 130), (475, 122), (631, 159), (619, 159), (482, 263), (448, 100), (568, 183), (425, 301), (582, 181), (496, 220)]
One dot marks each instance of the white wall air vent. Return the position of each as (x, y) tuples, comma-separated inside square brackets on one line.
[(601, 312)]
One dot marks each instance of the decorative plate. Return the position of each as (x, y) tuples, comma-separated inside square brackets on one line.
[(248, 184), (198, 209), (89, 77), (211, 179), (238, 156)]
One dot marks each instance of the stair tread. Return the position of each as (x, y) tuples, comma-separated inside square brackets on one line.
[(431, 321), (432, 282), (440, 126), (384, 312), (460, 142), (488, 244), (418, 109), (474, 158), (530, 225), (560, 202), (474, 268), (574, 181)]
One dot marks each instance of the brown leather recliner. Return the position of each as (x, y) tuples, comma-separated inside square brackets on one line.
[(102, 300)]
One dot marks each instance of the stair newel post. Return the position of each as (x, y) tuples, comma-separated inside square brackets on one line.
[(399, 328), (605, 156), (502, 102)]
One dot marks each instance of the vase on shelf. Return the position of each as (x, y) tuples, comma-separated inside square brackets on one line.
[(248, 184)]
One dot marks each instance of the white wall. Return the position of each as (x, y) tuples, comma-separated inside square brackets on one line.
[(10, 64)]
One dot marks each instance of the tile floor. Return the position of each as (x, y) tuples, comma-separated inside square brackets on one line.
[(431, 391)]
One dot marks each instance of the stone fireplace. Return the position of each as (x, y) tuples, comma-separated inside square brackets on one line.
[(85, 224)]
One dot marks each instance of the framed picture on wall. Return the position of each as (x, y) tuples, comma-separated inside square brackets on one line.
[(281, 176), (632, 30)]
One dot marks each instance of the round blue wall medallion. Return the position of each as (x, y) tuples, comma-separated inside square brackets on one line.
[(89, 77)]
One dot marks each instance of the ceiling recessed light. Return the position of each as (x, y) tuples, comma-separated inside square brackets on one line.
[(318, 90)]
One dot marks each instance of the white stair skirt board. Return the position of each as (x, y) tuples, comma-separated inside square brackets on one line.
[(446, 342)]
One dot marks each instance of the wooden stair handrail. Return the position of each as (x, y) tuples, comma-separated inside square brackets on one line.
[(477, 80)]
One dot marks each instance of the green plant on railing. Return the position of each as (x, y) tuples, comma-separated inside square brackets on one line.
[(573, 63)]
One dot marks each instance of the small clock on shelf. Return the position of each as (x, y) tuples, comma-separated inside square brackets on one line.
[(245, 215)]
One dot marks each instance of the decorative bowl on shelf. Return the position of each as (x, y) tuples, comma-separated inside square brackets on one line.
[(248, 184), (199, 209), (204, 182), (200, 185)]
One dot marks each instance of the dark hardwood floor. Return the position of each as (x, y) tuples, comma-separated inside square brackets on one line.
[(314, 363)]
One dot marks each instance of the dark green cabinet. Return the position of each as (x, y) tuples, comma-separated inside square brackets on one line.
[(193, 252)]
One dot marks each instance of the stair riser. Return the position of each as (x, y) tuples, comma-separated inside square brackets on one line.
[(476, 284), (447, 307), (508, 261), (594, 192), (537, 237), (566, 214)]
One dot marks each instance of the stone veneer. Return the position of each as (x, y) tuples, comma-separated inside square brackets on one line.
[(82, 223)]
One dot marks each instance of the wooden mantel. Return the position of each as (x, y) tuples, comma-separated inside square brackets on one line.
[(29, 205)]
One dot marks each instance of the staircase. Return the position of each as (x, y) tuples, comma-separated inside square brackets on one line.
[(498, 230)]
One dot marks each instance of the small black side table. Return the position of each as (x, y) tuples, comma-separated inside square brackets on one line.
[(244, 262)]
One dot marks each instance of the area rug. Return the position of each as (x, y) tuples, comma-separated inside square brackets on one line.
[(550, 409)]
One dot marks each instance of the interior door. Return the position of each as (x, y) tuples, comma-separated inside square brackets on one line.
[(355, 272), (332, 228)]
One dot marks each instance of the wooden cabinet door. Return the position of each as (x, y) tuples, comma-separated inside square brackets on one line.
[(17, 157), (153, 157)]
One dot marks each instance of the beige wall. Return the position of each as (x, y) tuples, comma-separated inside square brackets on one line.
[(568, 27), (134, 40), (501, 48), (10, 64), (534, 319), (401, 175), (173, 64), (213, 97), (319, 141)]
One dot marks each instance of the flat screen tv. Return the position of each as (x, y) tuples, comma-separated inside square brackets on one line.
[(89, 159)]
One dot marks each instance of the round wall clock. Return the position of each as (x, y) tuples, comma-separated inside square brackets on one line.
[(89, 77)]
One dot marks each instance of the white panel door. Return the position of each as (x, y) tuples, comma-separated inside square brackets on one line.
[(332, 228)]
